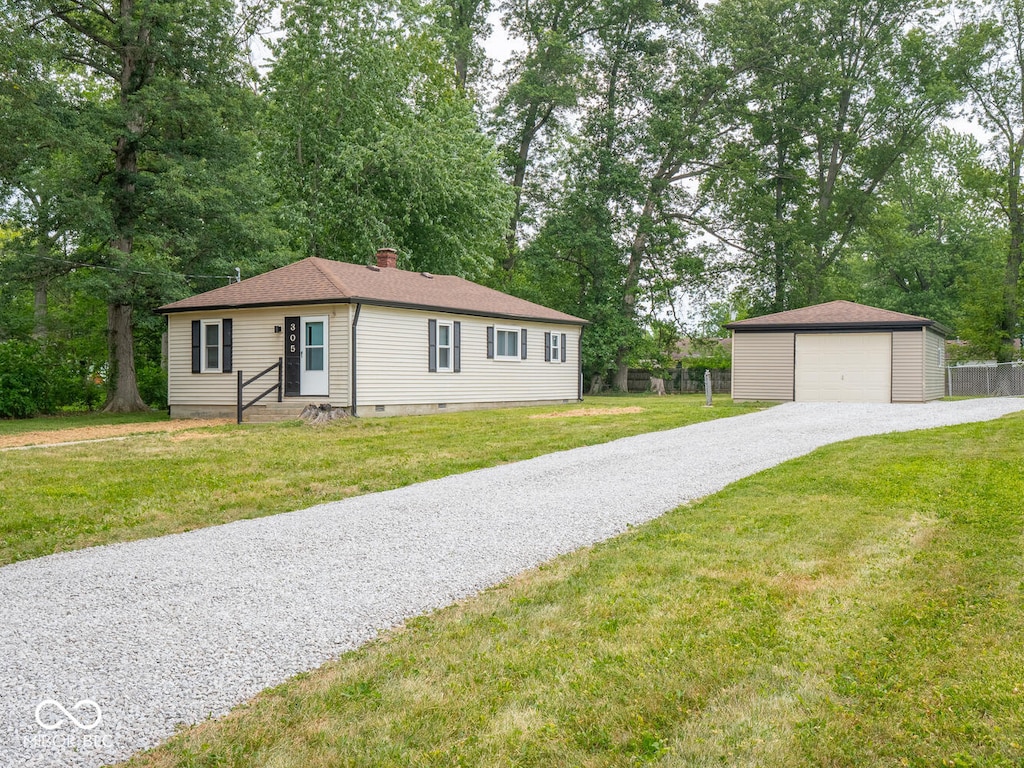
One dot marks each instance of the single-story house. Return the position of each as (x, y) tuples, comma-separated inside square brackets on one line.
[(838, 352), (375, 340)]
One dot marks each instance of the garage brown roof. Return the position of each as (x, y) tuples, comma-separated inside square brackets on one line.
[(322, 281), (834, 315)]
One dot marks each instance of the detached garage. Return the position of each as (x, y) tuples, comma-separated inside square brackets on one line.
[(838, 352)]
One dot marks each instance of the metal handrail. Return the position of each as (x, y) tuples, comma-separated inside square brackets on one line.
[(279, 365)]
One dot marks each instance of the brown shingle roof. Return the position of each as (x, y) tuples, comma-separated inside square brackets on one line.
[(838, 315), (321, 281)]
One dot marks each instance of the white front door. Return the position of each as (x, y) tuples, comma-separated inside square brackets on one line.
[(314, 360)]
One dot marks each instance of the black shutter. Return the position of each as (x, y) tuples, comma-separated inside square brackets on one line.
[(292, 356), (432, 346), (197, 347), (562, 350), (490, 342), (225, 326), (456, 346), (522, 343), (547, 347)]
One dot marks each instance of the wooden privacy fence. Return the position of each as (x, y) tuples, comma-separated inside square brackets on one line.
[(992, 380), (683, 380)]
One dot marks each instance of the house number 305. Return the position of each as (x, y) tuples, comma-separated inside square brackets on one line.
[(292, 336)]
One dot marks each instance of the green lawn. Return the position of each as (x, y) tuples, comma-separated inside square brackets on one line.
[(861, 606), (54, 499)]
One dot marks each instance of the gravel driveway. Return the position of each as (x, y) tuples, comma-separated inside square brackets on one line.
[(172, 630)]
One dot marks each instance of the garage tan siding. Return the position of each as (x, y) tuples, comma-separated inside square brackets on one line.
[(393, 362), (762, 366), (934, 365), (907, 366), (255, 346)]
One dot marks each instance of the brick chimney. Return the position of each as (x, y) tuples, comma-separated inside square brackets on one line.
[(387, 258)]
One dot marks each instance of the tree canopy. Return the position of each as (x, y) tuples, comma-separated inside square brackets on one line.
[(655, 166)]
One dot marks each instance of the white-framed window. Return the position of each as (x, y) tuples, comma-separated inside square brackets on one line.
[(444, 346), (555, 347), (506, 344), (211, 345), (211, 350)]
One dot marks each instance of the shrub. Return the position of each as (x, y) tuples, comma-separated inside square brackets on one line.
[(26, 379), (152, 380), (38, 377)]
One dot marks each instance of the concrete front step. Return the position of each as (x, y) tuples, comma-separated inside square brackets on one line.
[(289, 410)]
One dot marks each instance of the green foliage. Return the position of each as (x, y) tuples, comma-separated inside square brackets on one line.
[(24, 380), (609, 246), (933, 245), (720, 362), (153, 385), (997, 99), (38, 378), (754, 154), (827, 98), (654, 352), (129, 151), (371, 143)]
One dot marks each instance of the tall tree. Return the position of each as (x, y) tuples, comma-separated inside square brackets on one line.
[(371, 142), (932, 236), (616, 231), (542, 85), (463, 23), (997, 95), (831, 96), (153, 95)]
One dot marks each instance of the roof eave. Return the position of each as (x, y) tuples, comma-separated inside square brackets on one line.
[(901, 325), (375, 302), (172, 310)]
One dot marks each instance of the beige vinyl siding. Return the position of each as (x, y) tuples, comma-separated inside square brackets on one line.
[(934, 365), (255, 346), (762, 366), (393, 370), (907, 366)]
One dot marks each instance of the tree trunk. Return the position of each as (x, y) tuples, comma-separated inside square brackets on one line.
[(637, 252), (531, 126), (122, 385), (1011, 276), (621, 380), (779, 269), (39, 309), (122, 388)]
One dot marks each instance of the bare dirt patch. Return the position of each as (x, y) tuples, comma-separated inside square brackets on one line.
[(78, 434), (588, 412)]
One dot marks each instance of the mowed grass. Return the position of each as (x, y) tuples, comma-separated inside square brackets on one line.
[(861, 606), (60, 498)]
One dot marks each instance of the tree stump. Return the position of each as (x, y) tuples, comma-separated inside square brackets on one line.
[(596, 384), (657, 385), (324, 413)]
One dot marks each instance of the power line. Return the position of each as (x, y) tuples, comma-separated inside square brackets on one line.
[(237, 277)]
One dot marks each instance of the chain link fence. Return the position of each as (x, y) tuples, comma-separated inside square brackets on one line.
[(993, 380)]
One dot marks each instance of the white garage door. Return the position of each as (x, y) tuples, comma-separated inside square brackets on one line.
[(844, 367)]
